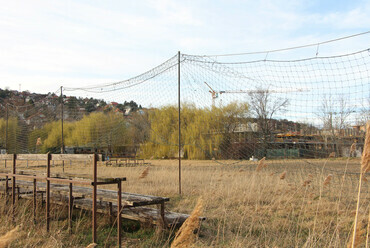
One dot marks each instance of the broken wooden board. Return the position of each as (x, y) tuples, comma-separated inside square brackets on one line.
[(129, 199)]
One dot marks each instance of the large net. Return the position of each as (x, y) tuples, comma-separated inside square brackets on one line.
[(233, 109)]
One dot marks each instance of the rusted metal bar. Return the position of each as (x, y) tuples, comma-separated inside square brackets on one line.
[(162, 215), (110, 210), (119, 210), (13, 186), (6, 185), (34, 200), (95, 171), (110, 181), (70, 208), (48, 194)]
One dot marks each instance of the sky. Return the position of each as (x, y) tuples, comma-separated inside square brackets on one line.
[(48, 44)]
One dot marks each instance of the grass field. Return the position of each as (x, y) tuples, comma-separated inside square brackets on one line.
[(285, 204)]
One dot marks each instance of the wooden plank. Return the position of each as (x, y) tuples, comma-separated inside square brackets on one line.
[(6, 156), (33, 157), (143, 214), (75, 157), (128, 199)]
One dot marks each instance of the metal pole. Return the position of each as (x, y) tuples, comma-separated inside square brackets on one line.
[(94, 198), (6, 130), (13, 187), (119, 211), (34, 200), (62, 119), (179, 111), (48, 194), (70, 208)]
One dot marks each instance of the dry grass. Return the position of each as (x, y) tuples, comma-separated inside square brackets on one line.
[(244, 208), (365, 167), (186, 235), (328, 180), (145, 173), (9, 237)]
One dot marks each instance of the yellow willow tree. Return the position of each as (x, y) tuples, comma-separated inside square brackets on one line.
[(203, 130), (95, 130), (50, 136), (13, 132), (99, 130)]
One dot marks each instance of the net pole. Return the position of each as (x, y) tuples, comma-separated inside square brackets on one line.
[(62, 120), (6, 129), (179, 112)]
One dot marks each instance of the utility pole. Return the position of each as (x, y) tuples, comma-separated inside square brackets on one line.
[(179, 110)]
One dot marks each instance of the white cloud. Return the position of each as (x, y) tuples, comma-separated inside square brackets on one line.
[(46, 41)]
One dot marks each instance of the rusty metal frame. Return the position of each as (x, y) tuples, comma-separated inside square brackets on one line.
[(93, 183)]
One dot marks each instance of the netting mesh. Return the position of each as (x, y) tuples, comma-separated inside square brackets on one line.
[(232, 110)]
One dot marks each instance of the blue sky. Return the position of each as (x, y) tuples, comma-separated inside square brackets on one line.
[(45, 44)]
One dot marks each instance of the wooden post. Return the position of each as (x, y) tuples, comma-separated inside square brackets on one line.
[(13, 186), (70, 208), (48, 194), (34, 200), (95, 170), (119, 209)]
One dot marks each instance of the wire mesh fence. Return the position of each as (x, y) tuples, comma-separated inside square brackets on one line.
[(232, 109)]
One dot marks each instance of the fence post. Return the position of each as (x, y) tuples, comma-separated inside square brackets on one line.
[(34, 200), (179, 112), (13, 186), (48, 193), (94, 198), (119, 209), (70, 208)]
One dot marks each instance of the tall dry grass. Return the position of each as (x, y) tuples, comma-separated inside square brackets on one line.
[(245, 208), (365, 167), (188, 232), (9, 237)]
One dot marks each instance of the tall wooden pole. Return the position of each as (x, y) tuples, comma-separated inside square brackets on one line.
[(179, 110)]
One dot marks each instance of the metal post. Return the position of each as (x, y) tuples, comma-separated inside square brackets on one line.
[(94, 198), (6, 131), (34, 200), (70, 208), (62, 120), (6, 186), (13, 186), (179, 111), (119, 210), (162, 216), (48, 194)]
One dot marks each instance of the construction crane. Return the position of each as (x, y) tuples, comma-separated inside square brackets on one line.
[(215, 94)]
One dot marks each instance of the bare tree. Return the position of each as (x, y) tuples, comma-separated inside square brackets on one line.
[(364, 115), (334, 115), (264, 107)]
